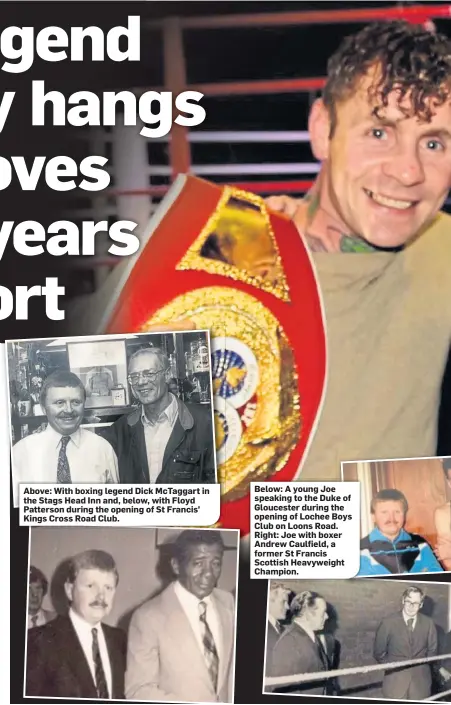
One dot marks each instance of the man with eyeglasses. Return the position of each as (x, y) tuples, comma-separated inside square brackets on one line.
[(164, 439), (407, 634)]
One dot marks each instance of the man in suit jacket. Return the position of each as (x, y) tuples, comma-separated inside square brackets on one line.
[(277, 610), (299, 650), (181, 643), (76, 656), (407, 634), (164, 440), (37, 590)]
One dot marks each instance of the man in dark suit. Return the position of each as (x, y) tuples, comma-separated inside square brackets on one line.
[(37, 590), (277, 610), (164, 439), (77, 656), (299, 650), (405, 635)]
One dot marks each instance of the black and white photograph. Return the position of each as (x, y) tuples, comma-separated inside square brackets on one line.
[(136, 614), (123, 408), (405, 515), (359, 638)]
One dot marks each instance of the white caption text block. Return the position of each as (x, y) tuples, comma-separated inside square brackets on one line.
[(305, 529), (47, 504)]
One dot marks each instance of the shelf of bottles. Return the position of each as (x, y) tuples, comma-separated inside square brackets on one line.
[(190, 368), (28, 367)]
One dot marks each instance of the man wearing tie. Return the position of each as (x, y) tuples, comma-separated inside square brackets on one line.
[(77, 656), (299, 649), (407, 634), (64, 452), (37, 590), (277, 611), (181, 643)]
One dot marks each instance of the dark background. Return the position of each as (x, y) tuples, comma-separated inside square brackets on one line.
[(236, 54)]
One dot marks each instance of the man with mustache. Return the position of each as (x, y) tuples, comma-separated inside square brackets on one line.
[(77, 656), (164, 439), (181, 643), (389, 548), (64, 452)]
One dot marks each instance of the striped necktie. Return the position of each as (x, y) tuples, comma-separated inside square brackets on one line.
[(101, 686), (210, 652), (63, 470)]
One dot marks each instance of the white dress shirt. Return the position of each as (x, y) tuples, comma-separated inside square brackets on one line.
[(406, 619), (190, 605), (91, 458), (157, 435), (84, 633), (37, 620), (274, 623)]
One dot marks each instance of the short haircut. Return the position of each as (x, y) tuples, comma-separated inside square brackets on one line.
[(408, 57), (446, 463), (195, 537), (37, 576), (303, 601), (101, 560), (61, 378), (413, 589), (389, 496), (163, 358)]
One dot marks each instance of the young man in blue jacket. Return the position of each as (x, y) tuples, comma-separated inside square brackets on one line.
[(389, 548)]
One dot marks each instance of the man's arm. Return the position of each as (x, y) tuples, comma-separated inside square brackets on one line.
[(142, 681), (208, 468), (112, 465), (380, 648), (432, 646), (427, 562)]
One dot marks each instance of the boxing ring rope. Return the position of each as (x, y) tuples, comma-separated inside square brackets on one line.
[(438, 696), (354, 670), (415, 14)]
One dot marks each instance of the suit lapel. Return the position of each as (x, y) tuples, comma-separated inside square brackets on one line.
[(185, 642), (76, 660), (309, 644)]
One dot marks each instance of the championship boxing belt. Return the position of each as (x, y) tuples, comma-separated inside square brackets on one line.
[(217, 256)]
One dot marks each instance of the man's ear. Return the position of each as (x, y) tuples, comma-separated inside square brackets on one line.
[(68, 589), (319, 129), (175, 566)]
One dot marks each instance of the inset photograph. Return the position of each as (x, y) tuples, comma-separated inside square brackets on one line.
[(358, 638), (123, 408), (142, 614), (405, 515)]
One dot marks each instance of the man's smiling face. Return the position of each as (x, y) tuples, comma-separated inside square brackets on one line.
[(387, 174)]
